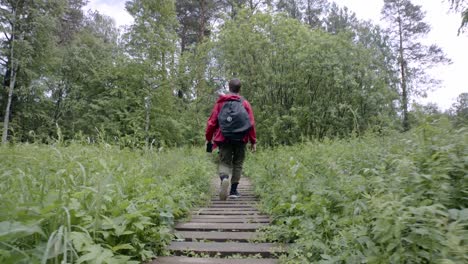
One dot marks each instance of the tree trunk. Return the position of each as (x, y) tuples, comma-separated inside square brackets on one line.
[(13, 74), (6, 120), (147, 123), (404, 92), (58, 105), (201, 30)]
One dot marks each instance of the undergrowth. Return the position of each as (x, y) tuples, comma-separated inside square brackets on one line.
[(395, 198), (94, 204)]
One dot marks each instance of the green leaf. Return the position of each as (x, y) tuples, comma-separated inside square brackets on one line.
[(96, 255), (15, 230), (122, 246)]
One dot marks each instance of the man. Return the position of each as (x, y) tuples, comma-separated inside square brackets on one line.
[(231, 126)]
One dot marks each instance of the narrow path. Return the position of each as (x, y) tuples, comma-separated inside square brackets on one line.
[(223, 233)]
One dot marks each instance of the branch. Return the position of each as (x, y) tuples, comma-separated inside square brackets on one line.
[(6, 36), (4, 14)]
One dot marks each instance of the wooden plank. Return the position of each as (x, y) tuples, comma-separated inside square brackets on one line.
[(216, 236), (232, 201), (240, 199), (219, 226), (224, 209), (187, 260), (242, 194), (226, 213), (225, 248), (232, 206), (235, 202), (230, 220), (230, 216)]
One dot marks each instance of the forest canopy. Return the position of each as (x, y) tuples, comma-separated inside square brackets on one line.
[(311, 69)]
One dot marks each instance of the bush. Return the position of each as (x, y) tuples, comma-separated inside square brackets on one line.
[(84, 204), (400, 198)]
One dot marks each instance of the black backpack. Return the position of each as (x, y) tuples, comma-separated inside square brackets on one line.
[(234, 120)]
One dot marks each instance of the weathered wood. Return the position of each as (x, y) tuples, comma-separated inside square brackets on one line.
[(254, 202), (229, 216), (216, 236), (187, 260), (242, 194), (206, 209), (241, 199), (219, 226), (226, 213), (231, 220), (215, 206), (226, 248), (225, 228)]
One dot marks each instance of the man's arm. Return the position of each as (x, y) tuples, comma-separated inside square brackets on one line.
[(252, 132), (212, 124)]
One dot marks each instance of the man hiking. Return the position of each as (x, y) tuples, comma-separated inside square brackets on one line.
[(231, 126)]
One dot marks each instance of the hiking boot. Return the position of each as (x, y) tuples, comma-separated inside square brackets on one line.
[(223, 190), (234, 193)]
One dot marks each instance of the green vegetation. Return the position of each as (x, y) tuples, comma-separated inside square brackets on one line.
[(390, 198), (311, 69), (335, 89), (94, 204)]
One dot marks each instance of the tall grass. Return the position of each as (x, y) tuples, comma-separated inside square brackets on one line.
[(94, 204), (395, 198)]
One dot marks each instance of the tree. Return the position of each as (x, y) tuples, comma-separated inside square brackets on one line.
[(311, 12), (59, 82), (314, 9), (460, 110), (232, 7), (414, 58), (80, 85), (194, 19), (151, 42), (28, 28), (305, 82), (462, 7), (292, 7), (340, 20)]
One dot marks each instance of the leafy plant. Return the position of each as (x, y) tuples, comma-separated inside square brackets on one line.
[(398, 198), (94, 204)]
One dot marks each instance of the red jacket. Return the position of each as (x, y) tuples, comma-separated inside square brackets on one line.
[(213, 133)]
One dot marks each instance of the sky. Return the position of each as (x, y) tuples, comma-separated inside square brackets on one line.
[(444, 34)]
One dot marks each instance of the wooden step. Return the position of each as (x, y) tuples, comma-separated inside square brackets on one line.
[(225, 209), (265, 250), (224, 229), (219, 226), (232, 206), (207, 212), (231, 220), (187, 260), (216, 236), (241, 199), (229, 216), (241, 194), (227, 202)]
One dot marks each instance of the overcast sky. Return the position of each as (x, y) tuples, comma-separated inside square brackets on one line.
[(444, 33)]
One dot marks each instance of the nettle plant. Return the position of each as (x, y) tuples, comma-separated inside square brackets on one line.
[(94, 204), (399, 198)]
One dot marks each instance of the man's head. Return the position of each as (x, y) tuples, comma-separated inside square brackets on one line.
[(234, 86)]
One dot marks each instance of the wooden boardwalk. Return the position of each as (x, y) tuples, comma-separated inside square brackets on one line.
[(223, 233)]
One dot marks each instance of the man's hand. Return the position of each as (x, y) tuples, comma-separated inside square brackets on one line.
[(209, 146), (253, 147)]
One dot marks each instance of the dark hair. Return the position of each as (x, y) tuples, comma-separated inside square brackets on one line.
[(234, 85)]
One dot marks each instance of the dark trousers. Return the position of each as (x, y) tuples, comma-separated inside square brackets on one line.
[(231, 159)]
